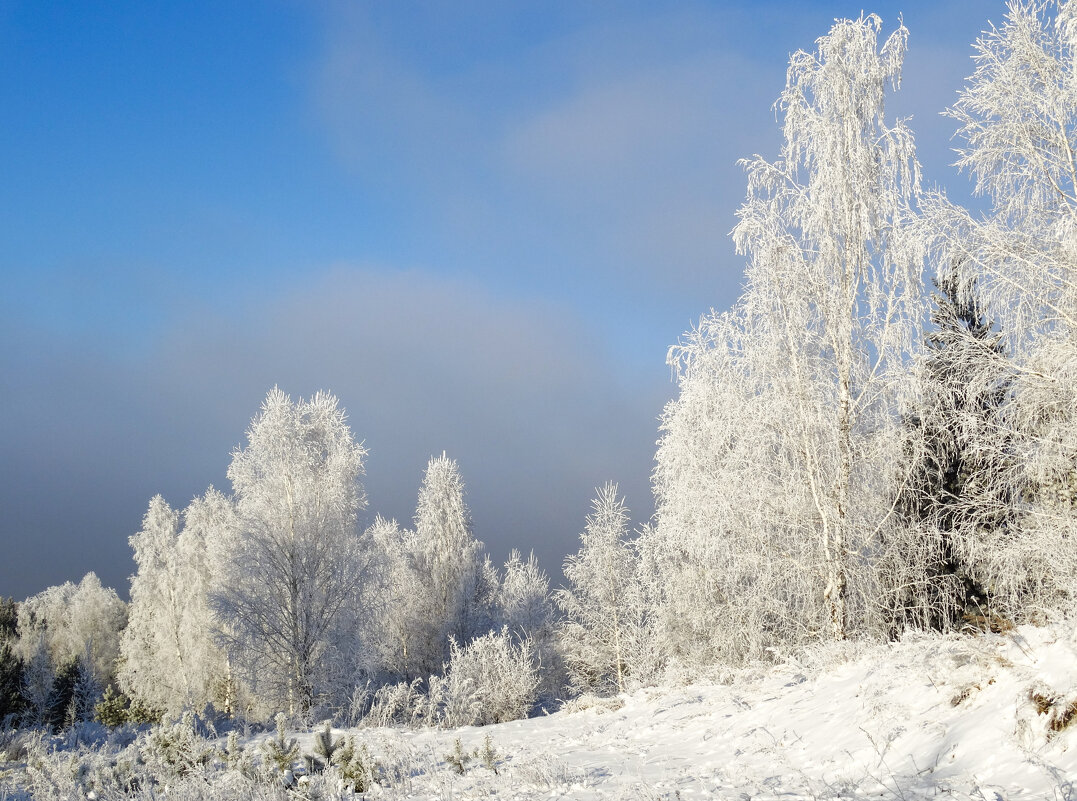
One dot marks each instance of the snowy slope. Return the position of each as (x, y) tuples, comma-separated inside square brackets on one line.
[(925, 717)]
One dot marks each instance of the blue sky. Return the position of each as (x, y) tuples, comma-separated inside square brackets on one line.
[(480, 224)]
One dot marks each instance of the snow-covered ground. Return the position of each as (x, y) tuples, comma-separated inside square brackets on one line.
[(991, 718), (926, 717)]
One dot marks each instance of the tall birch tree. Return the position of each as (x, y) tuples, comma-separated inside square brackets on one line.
[(835, 283)]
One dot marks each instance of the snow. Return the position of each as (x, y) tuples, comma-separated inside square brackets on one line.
[(929, 716)]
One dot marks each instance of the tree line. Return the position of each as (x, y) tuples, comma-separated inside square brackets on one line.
[(878, 437)]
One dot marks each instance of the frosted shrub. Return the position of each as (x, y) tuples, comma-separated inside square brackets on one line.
[(490, 680), (178, 749), (78, 773), (395, 703)]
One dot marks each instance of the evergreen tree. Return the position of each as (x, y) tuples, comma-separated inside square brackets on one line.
[(65, 698), (11, 700), (965, 377), (11, 679), (9, 619)]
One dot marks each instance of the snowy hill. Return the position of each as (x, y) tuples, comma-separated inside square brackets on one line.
[(991, 718), (926, 717)]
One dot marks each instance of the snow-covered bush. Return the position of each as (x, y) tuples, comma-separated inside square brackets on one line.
[(492, 679), (177, 749), (400, 703)]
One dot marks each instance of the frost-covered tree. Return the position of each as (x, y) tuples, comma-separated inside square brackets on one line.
[(68, 642), (171, 662), (525, 609), (602, 633), (524, 604), (834, 282), (964, 377), (727, 560), (296, 568), (210, 529), (1017, 118), (152, 647), (75, 622), (37, 678), (396, 611), (447, 560)]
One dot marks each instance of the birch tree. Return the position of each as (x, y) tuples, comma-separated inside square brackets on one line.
[(171, 660), (296, 566), (447, 557), (398, 612), (601, 603), (835, 282), (727, 562)]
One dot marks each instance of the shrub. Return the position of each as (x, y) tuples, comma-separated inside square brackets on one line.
[(396, 703), (178, 749), (490, 680)]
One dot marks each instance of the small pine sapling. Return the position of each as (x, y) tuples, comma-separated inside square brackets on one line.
[(458, 759), (324, 748), (324, 744), (488, 755), (355, 766), (281, 752), (178, 749), (235, 755), (140, 712), (111, 710)]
